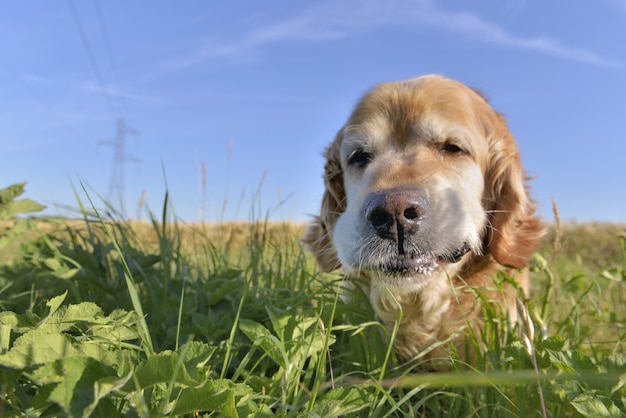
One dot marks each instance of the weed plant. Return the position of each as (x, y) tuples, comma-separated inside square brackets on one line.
[(100, 316)]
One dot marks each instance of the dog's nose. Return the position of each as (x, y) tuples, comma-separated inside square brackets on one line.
[(395, 213)]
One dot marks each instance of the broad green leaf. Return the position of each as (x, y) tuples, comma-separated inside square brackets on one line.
[(196, 354), (554, 343), (283, 323), (262, 337), (85, 311), (16, 207), (343, 401), (288, 325), (117, 327), (56, 302), (40, 346), (302, 326), (65, 317), (170, 367), (37, 347), (159, 368), (9, 207), (215, 396), (594, 405), (573, 362), (81, 382), (9, 193), (21, 323), (53, 304)]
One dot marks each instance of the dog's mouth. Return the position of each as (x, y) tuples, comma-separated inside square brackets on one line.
[(422, 263)]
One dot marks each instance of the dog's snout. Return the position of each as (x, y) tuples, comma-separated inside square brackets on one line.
[(395, 213)]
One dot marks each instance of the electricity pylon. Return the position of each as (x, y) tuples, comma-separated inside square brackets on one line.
[(116, 181)]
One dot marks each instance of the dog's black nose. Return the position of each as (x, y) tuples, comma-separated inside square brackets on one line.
[(395, 213)]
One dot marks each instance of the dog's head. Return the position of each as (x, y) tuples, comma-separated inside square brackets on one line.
[(424, 176)]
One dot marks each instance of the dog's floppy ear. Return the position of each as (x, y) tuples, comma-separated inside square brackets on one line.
[(515, 229), (318, 237)]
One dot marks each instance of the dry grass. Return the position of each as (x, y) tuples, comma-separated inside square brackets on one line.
[(584, 248), (227, 236), (588, 246)]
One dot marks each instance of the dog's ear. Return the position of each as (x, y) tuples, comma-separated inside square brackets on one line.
[(318, 237), (514, 229)]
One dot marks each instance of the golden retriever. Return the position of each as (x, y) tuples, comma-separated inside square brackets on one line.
[(425, 199)]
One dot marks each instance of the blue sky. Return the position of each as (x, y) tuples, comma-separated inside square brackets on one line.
[(255, 90)]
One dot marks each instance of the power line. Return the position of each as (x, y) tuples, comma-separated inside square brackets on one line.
[(92, 59), (107, 43), (116, 190)]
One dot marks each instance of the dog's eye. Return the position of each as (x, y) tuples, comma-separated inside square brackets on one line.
[(359, 158), (452, 148)]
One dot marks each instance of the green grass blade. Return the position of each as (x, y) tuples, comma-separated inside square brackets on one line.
[(144, 330)]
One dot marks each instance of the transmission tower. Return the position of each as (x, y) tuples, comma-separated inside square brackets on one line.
[(116, 181)]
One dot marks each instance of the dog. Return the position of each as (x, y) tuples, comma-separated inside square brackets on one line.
[(425, 199)]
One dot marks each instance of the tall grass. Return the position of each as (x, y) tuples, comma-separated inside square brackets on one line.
[(106, 317)]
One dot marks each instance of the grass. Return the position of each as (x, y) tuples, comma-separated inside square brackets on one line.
[(105, 317)]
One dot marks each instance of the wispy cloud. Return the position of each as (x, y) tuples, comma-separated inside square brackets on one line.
[(340, 19), (93, 88), (303, 28), (471, 24), (116, 91)]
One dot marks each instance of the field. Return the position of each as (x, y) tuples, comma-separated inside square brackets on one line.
[(103, 317)]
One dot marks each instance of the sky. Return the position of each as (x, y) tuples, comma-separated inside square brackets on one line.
[(227, 106)]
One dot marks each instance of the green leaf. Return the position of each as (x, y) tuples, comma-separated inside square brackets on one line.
[(170, 367), (215, 396), (37, 347), (117, 327), (56, 302), (594, 405), (288, 325), (10, 209), (554, 343), (65, 317), (160, 368), (196, 354), (572, 362), (263, 338), (81, 382), (53, 304), (9, 193), (43, 345), (341, 401), (282, 323), (21, 323)]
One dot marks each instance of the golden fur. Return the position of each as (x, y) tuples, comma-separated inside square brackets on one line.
[(425, 197)]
